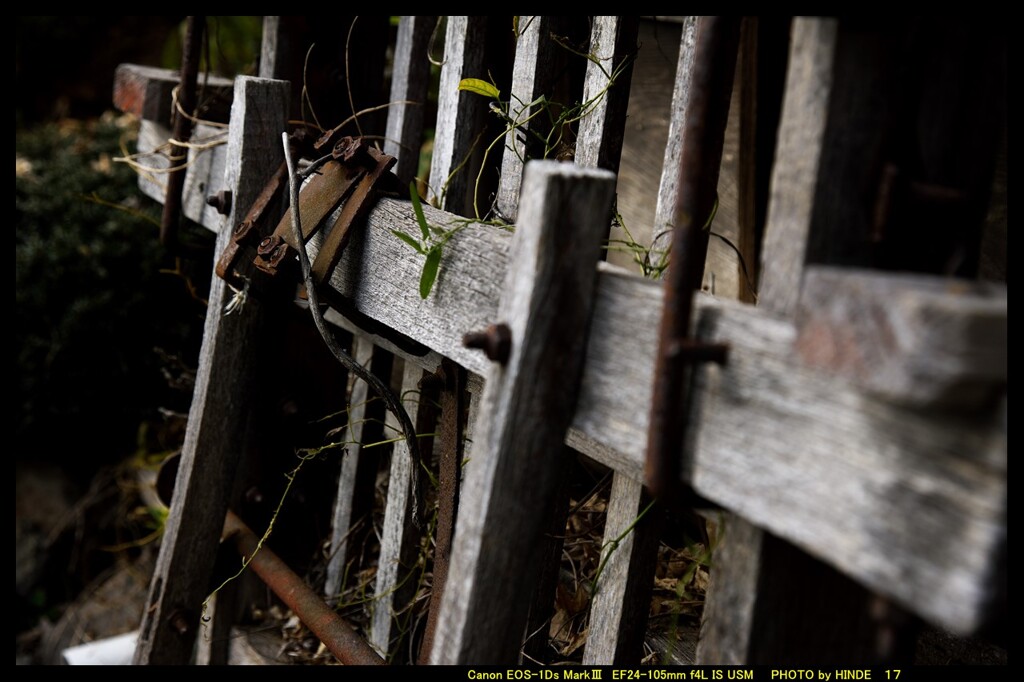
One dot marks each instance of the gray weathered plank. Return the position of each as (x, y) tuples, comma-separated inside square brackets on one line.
[(410, 77), (804, 114), (531, 78), (218, 427), (526, 407), (205, 173), (459, 114), (398, 539), (351, 463), (665, 210), (606, 92), (932, 341), (147, 92), (618, 612)]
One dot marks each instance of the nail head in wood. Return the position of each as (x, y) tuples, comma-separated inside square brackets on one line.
[(495, 342)]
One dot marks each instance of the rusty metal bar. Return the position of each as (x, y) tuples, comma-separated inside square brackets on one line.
[(339, 637), (182, 131), (450, 428), (707, 113)]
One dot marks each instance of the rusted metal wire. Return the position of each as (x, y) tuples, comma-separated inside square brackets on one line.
[(182, 131), (338, 636), (706, 116)]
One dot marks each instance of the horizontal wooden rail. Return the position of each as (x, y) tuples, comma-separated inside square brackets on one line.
[(911, 503)]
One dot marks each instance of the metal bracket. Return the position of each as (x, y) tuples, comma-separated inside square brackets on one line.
[(350, 180)]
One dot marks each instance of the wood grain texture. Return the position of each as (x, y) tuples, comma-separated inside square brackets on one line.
[(870, 442), (618, 611), (531, 78), (218, 425), (918, 341), (147, 92), (459, 114), (525, 410), (205, 173), (399, 540), (352, 462), (606, 92), (410, 78), (668, 188), (805, 110)]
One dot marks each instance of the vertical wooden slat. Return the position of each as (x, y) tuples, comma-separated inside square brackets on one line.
[(354, 466), (801, 135), (459, 114), (536, 647), (531, 78), (218, 426), (398, 540), (612, 49), (525, 411), (665, 211), (618, 614), (410, 77)]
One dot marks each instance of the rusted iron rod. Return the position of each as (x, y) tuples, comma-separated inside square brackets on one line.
[(704, 135), (339, 637), (182, 131)]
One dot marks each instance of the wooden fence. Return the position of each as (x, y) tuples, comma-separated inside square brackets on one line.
[(854, 441)]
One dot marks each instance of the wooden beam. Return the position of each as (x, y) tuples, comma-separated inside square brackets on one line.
[(219, 425), (525, 410), (147, 92), (933, 341)]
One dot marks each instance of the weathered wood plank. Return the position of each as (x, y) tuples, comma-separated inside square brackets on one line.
[(205, 173), (354, 469), (526, 407), (606, 92), (218, 425), (804, 114), (399, 540), (410, 77), (459, 114), (147, 92), (533, 75), (665, 210), (916, 340), (618, 612)]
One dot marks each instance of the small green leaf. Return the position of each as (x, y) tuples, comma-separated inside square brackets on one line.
[(408, 240), (417, 208), (429, 271), (480, 87)]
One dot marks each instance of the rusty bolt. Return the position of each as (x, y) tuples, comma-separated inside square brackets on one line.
[(495, 342), (220, 201), (180, 622), (269, 246), (351, 150)]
